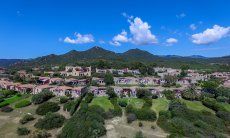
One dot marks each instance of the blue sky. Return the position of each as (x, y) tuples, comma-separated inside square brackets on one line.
[(32, 28)]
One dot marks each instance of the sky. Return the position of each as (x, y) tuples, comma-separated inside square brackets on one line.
[(33, 28)]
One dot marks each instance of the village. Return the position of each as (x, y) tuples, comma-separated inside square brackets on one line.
[(74, 79)]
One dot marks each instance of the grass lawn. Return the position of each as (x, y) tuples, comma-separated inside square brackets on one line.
[(102, 102), (226, 106), (196, 105), (135, 102), (15, 99), (160, 104)]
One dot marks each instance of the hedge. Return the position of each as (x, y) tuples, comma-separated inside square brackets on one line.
[(22, 103), (47, 107)]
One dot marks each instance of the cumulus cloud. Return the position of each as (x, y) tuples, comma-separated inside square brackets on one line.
[(120, 38), (80, 39), (171, 41), (141, 34), (181, 15), (193, 27), (211, 35)]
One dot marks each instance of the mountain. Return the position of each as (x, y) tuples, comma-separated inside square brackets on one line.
[(8, 62), (133, 55), (196, 56)]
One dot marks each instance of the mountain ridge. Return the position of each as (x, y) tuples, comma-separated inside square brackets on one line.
[(96, 53)]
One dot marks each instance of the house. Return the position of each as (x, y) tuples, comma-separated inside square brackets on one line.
[(155, 91), (39, 88), (77, 91), (99, 81), (134, 72), (101, 70), (227, 84), (71, 81), (56, 81), (98, 91), (126, 81), (21, 73), (62, 91), (2, 70), (184, 81), (125, 91), (25, 88), (43, 80), (49, 73), (54, 67), (78, 71)]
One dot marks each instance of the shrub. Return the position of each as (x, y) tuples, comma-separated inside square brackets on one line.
[(89, 97), (131, 117), (50, 121), (47, 107), (7, 93), (170, 95), (7, 109), (22, 103), (222, 99), (224, 115), (143, 93), (213, 104), (122, 103), (140, 124), (74, 106), (63, 99), (67, 106), (40, 134), (26, 119), (139, 134), (3, 104), (23, 131), (41, 97), (153, 127)]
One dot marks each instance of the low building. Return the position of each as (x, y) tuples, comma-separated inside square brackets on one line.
[(78, 71), (99, 81)]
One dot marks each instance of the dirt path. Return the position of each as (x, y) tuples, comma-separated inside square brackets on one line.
[(117, 127)]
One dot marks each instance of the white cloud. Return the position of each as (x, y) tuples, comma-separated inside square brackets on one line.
[(80, 39), (193, 27), (101, 42), (210, 35), (180, 16), (115, 43), (120, 38), (171, 41), (141, 34)]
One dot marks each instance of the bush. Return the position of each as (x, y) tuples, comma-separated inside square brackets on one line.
[(74, 106), (50, 121), (7, 93), (22, 103), (131, 117), (213, 104), (224, 115), (67, 106), (47, 107), (42, 97), (139, 134), (23, 131), (170, 95), (3, 104), (122, 103), (143, 93), (40, 134), (26, 119), (140, 124), (222, 99), (63, 99), (7, 109)]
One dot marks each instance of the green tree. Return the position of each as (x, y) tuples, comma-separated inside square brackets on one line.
[(108, 79)]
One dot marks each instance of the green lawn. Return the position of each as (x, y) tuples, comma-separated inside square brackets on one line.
[(226, 106), (160, 104), (135, 102), (11, 100), (196, 105), (102, 102), (15, 99)]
